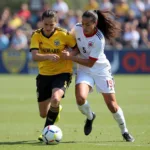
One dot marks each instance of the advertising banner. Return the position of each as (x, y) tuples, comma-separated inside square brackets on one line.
[(122, 62), (129, 62)]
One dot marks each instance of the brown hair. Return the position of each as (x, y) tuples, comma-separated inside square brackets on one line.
[(49, 14), (105, 22)]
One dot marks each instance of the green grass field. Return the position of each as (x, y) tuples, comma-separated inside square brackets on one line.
[(20, 124)]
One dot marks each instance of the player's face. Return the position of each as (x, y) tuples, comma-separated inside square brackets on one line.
[(49, 25), (88, 25)]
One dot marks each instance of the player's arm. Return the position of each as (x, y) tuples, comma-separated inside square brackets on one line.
[(71, 42), (93, 57), (85, 62), (36, 56), (72, 32)]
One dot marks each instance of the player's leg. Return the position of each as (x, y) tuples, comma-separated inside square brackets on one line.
[(44, 108), (59, 84), (118, 115), (105, 85), (54, 107), (84, 84), (43, 95)]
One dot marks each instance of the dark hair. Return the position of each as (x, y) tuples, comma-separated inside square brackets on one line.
[(105, 23), (49, 14)]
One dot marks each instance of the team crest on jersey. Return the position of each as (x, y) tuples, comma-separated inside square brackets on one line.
[(90, 44), (57, 42)]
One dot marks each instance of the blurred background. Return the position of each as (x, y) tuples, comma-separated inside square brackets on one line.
[(129, 53)]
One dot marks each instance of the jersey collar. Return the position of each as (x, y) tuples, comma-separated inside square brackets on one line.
[(49, 35), (91, 34)]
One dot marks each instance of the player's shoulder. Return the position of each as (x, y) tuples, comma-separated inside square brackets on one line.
[(78, 25), (62, 30), (99, 35), (37, 32)]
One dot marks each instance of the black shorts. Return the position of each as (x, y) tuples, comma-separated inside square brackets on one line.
[(45, 84)]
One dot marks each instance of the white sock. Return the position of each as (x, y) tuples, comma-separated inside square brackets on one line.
[(86, 110), (119, 117)]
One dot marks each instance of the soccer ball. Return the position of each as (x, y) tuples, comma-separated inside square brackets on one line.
[(52, 135)]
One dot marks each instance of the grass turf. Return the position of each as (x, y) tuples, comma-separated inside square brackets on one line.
[(20, 124)]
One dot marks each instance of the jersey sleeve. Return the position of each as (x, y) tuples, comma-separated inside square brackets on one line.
[(34, 44), (97, 50), (70, 40)]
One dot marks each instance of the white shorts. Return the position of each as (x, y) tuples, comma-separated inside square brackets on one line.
[(104, 84)]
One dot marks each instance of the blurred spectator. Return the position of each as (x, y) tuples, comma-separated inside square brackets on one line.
[(6, 15), (148, 30), (121, 9), (24, 12), (15, 22), (36, 5), (130, 17), (4, 41), (26, 28), (143, 22), (135, 21), (138, 7), (106, 5), (35, 17), (19, 40), (131, 36), (144, 41), (91, 5), (61, 7), (147, 4), (73, 18)]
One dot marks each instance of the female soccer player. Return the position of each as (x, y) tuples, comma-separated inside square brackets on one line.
[(54, 76), (94, 68)]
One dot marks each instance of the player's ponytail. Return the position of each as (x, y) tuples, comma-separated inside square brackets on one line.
[(106, 23)]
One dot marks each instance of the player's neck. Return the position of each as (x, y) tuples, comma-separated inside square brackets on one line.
[(92, 33), (48, 35)]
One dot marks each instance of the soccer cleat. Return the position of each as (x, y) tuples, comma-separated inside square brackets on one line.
[(57, 119), (88, 125), (40, 138), (128, 137)]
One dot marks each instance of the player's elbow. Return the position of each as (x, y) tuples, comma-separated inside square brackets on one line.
[(90, 64)]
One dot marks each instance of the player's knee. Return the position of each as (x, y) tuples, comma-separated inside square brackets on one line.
[(80, 100), (55, 101)]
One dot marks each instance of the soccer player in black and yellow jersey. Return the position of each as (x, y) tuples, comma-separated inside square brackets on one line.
[(54, 76)]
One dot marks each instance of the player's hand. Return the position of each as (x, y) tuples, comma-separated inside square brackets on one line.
[(53, 57), (66, 55)]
